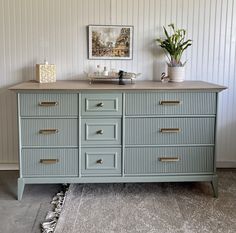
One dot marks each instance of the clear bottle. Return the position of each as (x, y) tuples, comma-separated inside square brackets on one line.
[(105, 71)]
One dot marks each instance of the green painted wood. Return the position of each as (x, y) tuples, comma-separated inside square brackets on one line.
[(67, 134), (143, 103), (67, 164), (101, 161), (188, 160), (66, 104), (141, 131), (102, 104), (101, 131)]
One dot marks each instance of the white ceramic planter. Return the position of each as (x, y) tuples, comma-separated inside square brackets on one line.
[(176, 74)]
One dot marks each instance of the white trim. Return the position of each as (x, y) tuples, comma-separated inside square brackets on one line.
[(226, 164), (9, 166)]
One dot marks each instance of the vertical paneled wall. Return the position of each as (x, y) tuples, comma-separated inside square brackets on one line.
[(56, 29)]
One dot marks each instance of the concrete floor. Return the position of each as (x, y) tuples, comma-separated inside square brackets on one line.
[(24, 216)]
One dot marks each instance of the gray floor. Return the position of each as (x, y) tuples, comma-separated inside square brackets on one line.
[(24, 216)]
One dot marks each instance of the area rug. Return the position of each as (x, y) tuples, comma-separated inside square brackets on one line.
[(149, 208)]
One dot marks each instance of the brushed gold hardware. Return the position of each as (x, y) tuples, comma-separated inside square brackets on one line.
[(169, 102), (48, 131), (169, 159), (48, 103), (170, 130), (101, 104), (100, 161), (49, 161), (100, 131)]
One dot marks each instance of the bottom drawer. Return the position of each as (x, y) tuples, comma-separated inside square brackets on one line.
[(49, 162), (169, 160), (101, 161)]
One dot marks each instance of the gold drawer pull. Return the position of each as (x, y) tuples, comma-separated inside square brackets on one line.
[(170, 130), (169, 159), (169, 102), (48, 131), (48, 103), (99, 132), (100, 161), (100, 104), (49, 161)]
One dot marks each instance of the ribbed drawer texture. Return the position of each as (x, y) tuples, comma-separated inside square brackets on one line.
[(169, 131), (49, 162), (101, 131), (168, 103), (101, 161), (49, 132), (46, 104), (169, 160), (102, 104)]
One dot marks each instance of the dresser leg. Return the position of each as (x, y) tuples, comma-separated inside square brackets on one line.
[(214, 184), (20, 188)]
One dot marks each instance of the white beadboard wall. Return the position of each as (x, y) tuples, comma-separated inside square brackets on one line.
[(31, 30)]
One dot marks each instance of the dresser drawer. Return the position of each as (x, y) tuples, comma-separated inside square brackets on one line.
[(169, 131), (170, 103), (45, 104), (169, 160), (101, 131), (101, 161), (49, 162), (102, 104), (49, 132)]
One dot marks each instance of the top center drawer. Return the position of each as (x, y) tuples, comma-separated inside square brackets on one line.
[(170, 103), (102, 104)]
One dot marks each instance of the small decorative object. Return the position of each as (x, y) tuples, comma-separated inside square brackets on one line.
[(45, 73), (121, 81), (105, 71), (174, 45), (164, 78), (110, 42)]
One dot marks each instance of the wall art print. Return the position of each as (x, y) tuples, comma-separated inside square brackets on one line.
[(110, 42)]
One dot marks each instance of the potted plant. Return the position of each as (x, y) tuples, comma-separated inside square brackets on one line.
[(174, 45)]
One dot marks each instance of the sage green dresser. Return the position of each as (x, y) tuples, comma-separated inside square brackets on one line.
[(73, 132)]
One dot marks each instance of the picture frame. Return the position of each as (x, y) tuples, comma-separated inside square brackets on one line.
[(110, 42)]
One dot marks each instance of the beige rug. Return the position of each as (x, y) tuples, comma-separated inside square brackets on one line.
[(150, 208)]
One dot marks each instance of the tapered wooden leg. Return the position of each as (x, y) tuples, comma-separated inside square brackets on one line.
[(20, 188), (214, 184)]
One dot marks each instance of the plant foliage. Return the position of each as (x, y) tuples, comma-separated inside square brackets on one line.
[(174, 45)]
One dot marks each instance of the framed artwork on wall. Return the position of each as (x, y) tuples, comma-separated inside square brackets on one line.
[(110, 42)]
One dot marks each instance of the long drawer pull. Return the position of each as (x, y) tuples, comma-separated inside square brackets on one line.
[(169, 102), (99, 132), (49, 161), (48, 103), (48, 131), (101, 104), (100, 161), (169, 159), (170, 130)]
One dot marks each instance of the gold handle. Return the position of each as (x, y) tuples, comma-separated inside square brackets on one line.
[(170, 130), (48, 131), (49, 161), (169, 102), (100, 161), (48, 103), (169, 159), (100, 131), (100, 104)]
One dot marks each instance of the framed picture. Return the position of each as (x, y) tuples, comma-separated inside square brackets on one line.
[(110, 42)]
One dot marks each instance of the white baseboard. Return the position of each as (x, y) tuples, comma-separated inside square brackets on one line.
[(226, 164), (9, 166)]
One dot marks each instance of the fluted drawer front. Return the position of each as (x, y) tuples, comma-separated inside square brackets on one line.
[(146, 103), (49, 162), (102, 104), (47, 104), (49, 132), (101, 131), (101, 161), (169, 160), (166, 131)]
